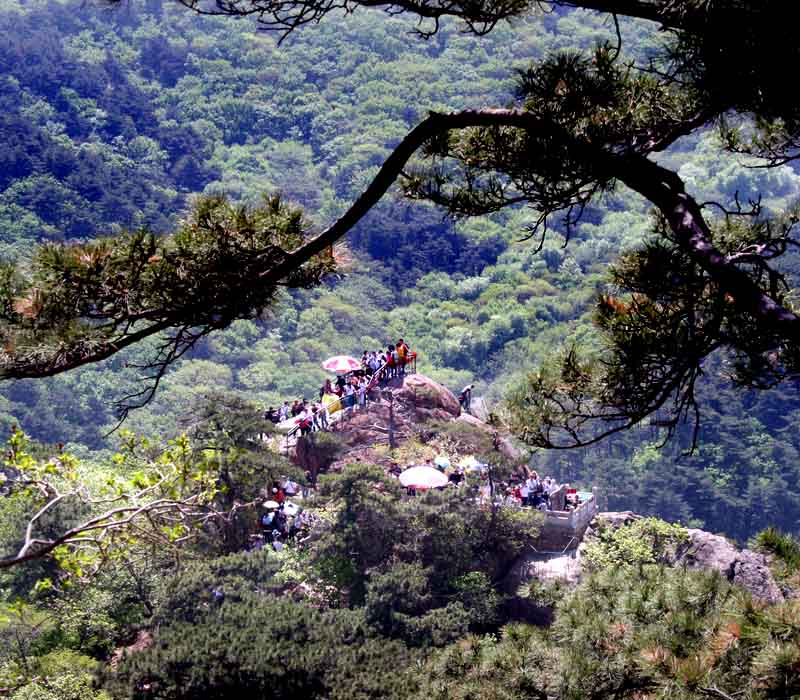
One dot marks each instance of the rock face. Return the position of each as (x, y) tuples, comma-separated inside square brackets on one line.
[(405, 404), (564, 567), (707, 551), (703, 550), (744, 568), (429, 399), (751, 571)]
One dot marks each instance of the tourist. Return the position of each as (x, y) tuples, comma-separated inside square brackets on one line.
[(465, 397), (374, 362), (321, 416), (305, 420), (349, 397), (524, 493), (362, 394), (280, 520), (267, 520), (284, 411), (400, 352), (306, 488), (391, 366), (297, 407), (536, 489), (290, 488)]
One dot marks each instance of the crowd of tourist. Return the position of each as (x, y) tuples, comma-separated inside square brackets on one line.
[(532, 491), (349, 391), (283, 519), (529, 491)]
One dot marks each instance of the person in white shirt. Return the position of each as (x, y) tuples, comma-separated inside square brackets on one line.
[(290, 488), (524, 492)]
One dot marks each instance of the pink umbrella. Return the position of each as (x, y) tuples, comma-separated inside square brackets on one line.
[(341, 364), (423, 478)]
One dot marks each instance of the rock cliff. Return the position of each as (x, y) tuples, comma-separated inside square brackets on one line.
[(701, 550)]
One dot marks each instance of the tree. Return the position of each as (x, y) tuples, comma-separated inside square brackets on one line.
[(426, 569), (630, 633), (580, 126), (162, 498), (83, 303), (250, 640)]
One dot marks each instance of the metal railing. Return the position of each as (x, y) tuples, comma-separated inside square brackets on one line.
[(351, 401)]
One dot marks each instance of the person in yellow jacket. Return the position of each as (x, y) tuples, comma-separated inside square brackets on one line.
[(402, 352)]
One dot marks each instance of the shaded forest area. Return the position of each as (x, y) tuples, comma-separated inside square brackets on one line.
[(114, 118)]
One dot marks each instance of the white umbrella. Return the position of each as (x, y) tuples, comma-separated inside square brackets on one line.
[(341, 364), (423, 478), (471, 464), (442, 461), (271, 504)]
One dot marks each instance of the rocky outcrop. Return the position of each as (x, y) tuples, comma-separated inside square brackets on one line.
[(706, 551), (744, 568), (751, 571), (702, 550), (405, 404), (427, 398)]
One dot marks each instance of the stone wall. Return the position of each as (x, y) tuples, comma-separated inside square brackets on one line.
[(563, 529)]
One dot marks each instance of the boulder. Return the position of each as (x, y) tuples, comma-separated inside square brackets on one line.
[(744, 568), (564, 567), (751, 571), (707, 551), (704, 550), (418, 392), (469, 419)]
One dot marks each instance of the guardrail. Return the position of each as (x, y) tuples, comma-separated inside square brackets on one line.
[(345, 402)]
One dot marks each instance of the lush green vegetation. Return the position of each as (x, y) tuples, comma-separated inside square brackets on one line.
[(390, 597), (218, 107), (122, 119)]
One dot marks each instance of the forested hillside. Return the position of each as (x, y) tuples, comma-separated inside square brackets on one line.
[(115, 118), (169, 177)]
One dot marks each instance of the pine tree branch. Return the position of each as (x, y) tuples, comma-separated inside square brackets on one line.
[(657, 184)]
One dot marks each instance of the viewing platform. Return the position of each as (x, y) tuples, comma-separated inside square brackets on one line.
[(563, 529)]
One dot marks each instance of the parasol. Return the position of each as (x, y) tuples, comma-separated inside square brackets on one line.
[(423, 478), (341, 364), (442, 461)]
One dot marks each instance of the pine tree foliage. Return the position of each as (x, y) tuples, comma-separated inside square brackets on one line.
[(580, 126), (426, 570), (646, 632), (75, 304), (664, 316), (253, 643)]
